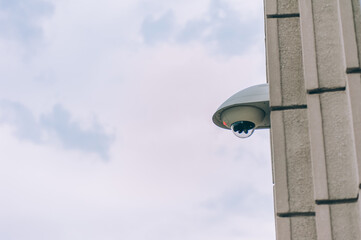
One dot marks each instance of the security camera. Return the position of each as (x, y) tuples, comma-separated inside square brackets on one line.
[(245, 111)]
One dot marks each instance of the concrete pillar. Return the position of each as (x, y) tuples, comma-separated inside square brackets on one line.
[(313, 50)]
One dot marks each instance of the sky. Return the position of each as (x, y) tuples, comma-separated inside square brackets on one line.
[(105, 121)]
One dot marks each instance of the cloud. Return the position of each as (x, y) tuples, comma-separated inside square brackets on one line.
[(20, 19), (243, 200), (222, 29), (73, 136), (160, 96), (27, 127), (154, 30), (58, 123)]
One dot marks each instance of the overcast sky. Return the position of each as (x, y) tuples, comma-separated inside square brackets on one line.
[(105, 121)]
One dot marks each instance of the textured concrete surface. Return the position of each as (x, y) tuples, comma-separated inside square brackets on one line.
[(292, 167), (296, 228), (315, 129), (330, 66), (279, 163), (341, 161), (285, 66), (292, 82), (331, 71), (357, 23), (345, 221), (322, 44), (323, 222), (273, 62), (349, 40), (315, 57), (303, 228), (281, 7), (308, 45), (338, 221), (283, 228), (299, 169), (353, 91), (332, 146)]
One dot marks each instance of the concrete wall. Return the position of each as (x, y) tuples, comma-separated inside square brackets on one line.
[(313, 50)]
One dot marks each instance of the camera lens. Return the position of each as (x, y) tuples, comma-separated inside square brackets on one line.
[(243, 129)]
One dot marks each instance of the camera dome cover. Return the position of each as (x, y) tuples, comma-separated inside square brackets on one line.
[(256, 96)]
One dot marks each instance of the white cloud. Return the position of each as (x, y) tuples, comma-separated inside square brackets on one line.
[(57, 124), (171, 173), (134, 198), (20, 19), (221, 28)]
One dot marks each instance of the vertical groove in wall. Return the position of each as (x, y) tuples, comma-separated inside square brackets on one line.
[(279, 65), (280, 68), (353, 91), (357, 25), (308, 45), (286, 162), (315, 45), (290, 231), (355, 29), (331, 227), (317, 146), (324, 149), (348, 34)]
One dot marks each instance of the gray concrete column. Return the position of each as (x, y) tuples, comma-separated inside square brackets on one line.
[(329, 46), (313, 52), (291, 156)]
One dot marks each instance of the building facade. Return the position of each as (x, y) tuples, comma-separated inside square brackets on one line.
[(313, 52)]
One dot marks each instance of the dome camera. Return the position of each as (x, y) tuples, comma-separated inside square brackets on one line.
[(243, 129), (245, 111)]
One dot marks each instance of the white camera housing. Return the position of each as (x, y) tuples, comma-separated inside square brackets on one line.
[(250, 105)]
